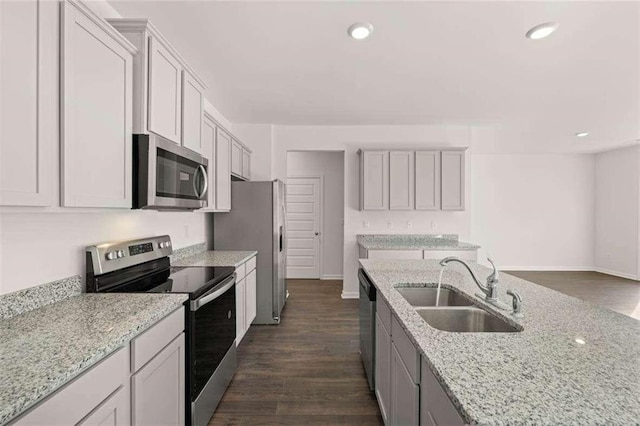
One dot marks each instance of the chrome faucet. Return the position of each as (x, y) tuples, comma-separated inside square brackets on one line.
[(490, 290)]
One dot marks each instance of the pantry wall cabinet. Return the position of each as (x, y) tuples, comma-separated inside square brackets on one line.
[(240, 160), (168, 94), (96, 110), (431, 179), (28, 105)]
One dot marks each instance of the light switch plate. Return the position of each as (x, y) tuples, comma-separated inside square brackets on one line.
[(409, 224), (366, 224), (434, 224), (389, 224)]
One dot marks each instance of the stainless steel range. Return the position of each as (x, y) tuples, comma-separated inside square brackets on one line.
[(143, 266)]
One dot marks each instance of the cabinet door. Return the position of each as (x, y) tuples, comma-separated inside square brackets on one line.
[(96, 104), (223, 172), (374, 180), (241, 310), (405, 394), (208, 151), (453, 180), (192, 112), (428, 180), (158, 388), (435, 406), (383, 369), (115, 411), (165, 83), (236, 158), (250, 283), (28, 107), (246, 164), (401, 180)]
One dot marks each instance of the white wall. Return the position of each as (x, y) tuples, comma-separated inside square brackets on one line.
[(617, 212), (534, 211), (329, 165), (349, 139), (36, 248)]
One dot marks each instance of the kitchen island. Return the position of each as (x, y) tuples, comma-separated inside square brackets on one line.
[(571, 363), (414, 246)]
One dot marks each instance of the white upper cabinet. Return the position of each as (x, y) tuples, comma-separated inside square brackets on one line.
[(165, 91), (427, 180), (96, 99), (28, 104), (453, 180), (223, 171), (168, 93), (209, 152), (401, 180), (236, 158), (374, 180), (192, 112), (246, 164), (412, 180)]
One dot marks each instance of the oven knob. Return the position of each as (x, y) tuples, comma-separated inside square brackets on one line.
[(161, 244), (120, 254), (168, 244), (111, 255)]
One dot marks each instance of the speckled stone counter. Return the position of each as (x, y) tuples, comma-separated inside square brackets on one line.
[(413, 242), (540, 375), (45, 348), (217, 258)]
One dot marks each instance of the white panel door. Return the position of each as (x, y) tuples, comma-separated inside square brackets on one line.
[(428, 180), (28, 106), (223, 171), (165, 92), (374, 180), (383, 369), (303, 227), (192, 112), (96, 113), (401, 180), (452, 170)]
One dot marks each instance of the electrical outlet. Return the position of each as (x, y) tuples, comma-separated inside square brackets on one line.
[(434, 224), (389, 224), (409, 224), (366, 224)]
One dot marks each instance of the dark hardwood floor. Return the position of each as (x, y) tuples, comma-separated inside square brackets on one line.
[(618, 294), (305, 371)]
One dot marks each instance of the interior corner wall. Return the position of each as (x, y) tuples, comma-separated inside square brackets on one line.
[(534, 211), (617, 230), (330, 166)]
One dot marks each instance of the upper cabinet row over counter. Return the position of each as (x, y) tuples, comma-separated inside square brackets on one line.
[(168, 95), (430, 179)]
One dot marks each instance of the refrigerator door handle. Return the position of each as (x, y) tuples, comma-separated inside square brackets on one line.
[(281, 239)]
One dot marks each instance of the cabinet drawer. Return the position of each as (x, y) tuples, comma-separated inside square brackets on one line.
[(384, 312), (241, 272), (149, 343), (80, 397), (407, 351), (251, 264)]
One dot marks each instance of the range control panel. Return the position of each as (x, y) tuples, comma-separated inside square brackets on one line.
[(140, 248), (117, 255)]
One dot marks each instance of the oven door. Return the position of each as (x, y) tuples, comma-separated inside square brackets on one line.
[(168, 176), (212, 349)]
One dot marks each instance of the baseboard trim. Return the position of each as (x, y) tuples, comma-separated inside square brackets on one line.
[(331, 277), (617, 274), (350, 295)]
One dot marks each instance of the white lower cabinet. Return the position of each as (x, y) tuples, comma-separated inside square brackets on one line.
[(405, 394), (246, 294), (436, 409), (383, 369), (142, 383)]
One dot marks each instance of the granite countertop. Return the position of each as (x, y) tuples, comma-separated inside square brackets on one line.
[(45, 348), (540, 375), (413, 242), (217, 258)]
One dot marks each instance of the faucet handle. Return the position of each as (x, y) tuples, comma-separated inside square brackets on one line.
[(517, 302), (495, 275)]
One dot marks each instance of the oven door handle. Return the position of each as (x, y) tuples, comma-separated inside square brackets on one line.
[(226, 285)]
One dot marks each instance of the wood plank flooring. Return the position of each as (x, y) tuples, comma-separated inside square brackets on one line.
[(305, 371), (618, 294)]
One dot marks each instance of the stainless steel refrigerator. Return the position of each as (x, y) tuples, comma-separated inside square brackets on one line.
[(257, 221)]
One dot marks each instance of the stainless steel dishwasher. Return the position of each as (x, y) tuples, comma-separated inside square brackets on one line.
[(367, 314)]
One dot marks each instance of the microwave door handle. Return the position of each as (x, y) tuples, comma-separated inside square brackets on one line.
[(206, 180)]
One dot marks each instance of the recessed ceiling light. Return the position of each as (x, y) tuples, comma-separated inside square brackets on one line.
[(582, 134), (360, 30), (580, 341), (542, 30)]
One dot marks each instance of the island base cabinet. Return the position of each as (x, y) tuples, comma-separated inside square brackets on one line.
[(436, 409), (383, 369), (115, 411), (405, 394), (158, 396), (241, 327)]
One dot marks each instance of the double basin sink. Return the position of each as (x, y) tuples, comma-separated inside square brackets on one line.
[(453, 312)]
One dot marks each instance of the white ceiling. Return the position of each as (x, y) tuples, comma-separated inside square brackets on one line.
[(427, 63)]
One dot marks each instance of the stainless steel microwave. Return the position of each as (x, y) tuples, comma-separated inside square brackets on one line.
[(167, 176)]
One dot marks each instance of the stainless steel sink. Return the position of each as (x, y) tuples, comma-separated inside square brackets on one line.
[(465, 320), (426, 296)]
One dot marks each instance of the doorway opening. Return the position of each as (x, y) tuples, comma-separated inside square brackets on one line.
[(315, 214)]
